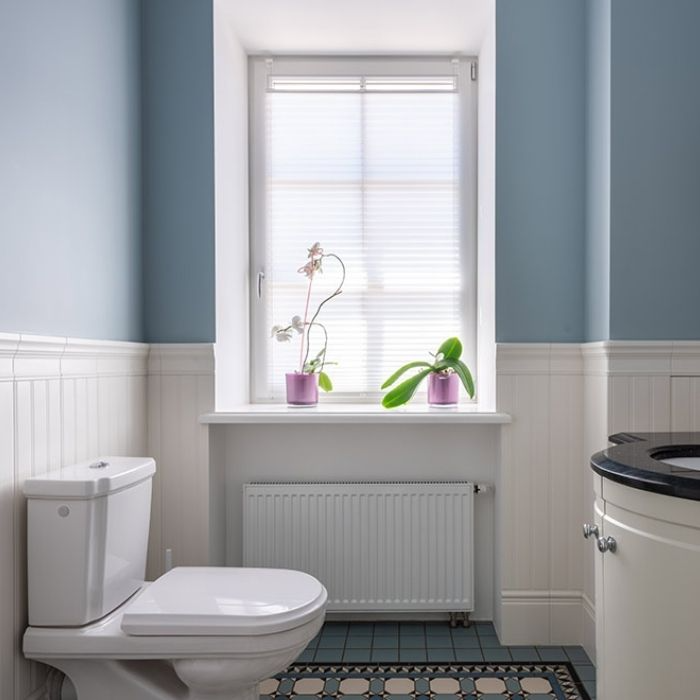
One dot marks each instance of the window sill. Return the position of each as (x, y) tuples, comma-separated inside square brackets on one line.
[(354, 413)]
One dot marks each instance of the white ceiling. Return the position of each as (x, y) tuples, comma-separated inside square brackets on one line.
[(359, 26)]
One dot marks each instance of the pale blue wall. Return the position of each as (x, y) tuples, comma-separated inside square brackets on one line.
[(178, 175), (655, 170), (597, 194), (540, 170), (70, 168), (71, 185)]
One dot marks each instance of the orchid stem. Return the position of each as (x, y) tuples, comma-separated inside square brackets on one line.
[(304, 336), (338, 290)]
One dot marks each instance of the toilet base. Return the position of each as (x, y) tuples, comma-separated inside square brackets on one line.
[(110, 679), (181, 679)]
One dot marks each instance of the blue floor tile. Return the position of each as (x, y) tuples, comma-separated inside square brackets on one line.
[(384, 655), (485, 627), (328, 656), (413, 656), (335, 628), (412, 642), (524, 653), (468, 655), (331, 642), (386, 628), (306, 656), (577, 655), (385, 642), (466, 643), (585, 672), (412, 628), (356, 656), (440, 655), (490, 643), (552, 654), (358, 642), (438, 642), (501, 654), (590, 687)]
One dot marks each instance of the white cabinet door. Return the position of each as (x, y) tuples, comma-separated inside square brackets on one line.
[(650, 617)]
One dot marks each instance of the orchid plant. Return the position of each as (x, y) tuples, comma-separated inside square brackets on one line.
[(446, 361), (302, 325)]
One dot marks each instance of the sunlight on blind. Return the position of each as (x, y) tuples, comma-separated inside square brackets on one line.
[(373, 176)]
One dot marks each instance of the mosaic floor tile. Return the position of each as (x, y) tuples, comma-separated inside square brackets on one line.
[(509, 681)]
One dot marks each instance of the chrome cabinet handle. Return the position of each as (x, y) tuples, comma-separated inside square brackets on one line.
[(261, 279), (607, 544), (590, 530)]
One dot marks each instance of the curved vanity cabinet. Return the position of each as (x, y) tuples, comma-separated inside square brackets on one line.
[(647, 541)]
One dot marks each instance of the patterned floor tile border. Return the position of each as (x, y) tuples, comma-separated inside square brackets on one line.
[(511, 681)]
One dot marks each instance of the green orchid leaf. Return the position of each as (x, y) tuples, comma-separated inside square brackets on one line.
[(403, 369), (463, 373), (402, 393), (451, 349), (324, 381)]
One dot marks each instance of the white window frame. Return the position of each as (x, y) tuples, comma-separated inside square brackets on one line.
[(259, 69)]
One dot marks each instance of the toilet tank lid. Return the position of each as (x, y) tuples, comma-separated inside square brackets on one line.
[(90, 479)]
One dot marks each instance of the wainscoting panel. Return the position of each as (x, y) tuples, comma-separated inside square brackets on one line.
[(685, 403), (61, 400), (541, 387), (180, 389)]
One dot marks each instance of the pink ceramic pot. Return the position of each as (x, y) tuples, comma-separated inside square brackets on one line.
[(443, 389), (302, 389)]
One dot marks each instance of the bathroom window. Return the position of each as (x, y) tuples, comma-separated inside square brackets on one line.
[(376, 160)]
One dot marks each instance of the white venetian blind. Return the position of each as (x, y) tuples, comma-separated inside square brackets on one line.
[(369, 167)]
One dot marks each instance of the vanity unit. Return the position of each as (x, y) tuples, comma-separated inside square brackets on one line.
[(647, 536)]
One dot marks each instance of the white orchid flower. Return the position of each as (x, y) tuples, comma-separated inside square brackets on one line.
[(311, 267), (315, 251), (298, 324), (281, 333)]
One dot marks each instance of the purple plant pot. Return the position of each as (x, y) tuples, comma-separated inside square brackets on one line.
[(302, 389), (443, 389)]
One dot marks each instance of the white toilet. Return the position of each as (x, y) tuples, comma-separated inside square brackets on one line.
[(197, 632)]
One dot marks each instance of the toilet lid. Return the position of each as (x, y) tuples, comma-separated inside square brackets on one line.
[(224, 601)]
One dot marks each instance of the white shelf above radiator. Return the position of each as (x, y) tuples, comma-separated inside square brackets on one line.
[(354, 413)]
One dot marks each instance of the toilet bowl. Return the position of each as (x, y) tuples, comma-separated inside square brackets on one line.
[(195, 633)]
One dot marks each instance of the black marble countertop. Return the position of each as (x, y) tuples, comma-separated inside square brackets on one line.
[(636, 460)]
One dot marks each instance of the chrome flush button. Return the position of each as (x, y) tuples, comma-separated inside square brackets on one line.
[(99, 465), (64, 511)]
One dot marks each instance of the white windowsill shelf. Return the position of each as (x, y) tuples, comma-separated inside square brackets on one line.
[(354, 413)]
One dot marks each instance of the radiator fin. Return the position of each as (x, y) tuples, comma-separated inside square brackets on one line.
[(375, 546)]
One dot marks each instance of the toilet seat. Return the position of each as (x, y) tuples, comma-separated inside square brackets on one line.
[(223, 601), (107, 639)]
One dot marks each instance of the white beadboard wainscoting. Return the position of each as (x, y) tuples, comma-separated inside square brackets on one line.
[(61, 400), (541, 484), (565, 400), (180, 389)]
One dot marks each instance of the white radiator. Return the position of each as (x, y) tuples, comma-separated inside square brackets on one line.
[(375, 546)]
